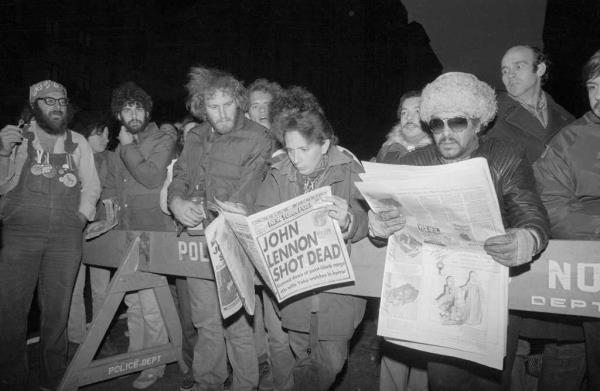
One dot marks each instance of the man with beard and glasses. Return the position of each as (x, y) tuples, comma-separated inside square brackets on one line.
[(49, 188), (457, 106), (225, 158), (136, 173)]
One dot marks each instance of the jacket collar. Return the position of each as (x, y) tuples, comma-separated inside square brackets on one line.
[(150, 129), (336, 158), (516, 115)]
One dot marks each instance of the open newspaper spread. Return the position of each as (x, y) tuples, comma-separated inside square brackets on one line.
[(295, 247), (441, 292)]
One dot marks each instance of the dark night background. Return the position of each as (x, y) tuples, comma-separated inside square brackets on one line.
[(358, 57)]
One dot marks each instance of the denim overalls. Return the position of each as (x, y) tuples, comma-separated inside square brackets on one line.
[(41, 244)]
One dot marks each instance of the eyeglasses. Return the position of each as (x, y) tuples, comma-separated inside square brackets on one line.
[(52, 101), (455, 124)]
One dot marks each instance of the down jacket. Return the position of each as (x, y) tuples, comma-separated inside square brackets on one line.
[(228, 166)]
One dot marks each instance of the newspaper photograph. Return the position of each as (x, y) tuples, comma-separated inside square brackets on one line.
[(295, 246), (441, 292)]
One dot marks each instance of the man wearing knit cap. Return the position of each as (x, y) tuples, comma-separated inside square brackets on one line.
[(456, 106), (49, 189)]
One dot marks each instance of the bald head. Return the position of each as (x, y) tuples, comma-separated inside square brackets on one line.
[(523, 68)]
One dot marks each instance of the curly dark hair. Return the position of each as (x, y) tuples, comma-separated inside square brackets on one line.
[(297, 109), (204, 82), (129, 93), (264, 85)]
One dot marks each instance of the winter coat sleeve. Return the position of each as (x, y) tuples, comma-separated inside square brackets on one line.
[(570, 218), (149, 171)]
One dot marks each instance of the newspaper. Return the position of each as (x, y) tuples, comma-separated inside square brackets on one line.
[(295, 246), (234, 273), (97, 228), (441, 292)]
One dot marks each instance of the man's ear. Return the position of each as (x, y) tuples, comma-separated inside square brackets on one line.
[(541, 69)]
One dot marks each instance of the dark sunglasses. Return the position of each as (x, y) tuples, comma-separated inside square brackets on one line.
[(52, 101), (455, 124)]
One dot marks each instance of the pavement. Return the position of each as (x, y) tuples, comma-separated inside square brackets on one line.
[(360, 374)]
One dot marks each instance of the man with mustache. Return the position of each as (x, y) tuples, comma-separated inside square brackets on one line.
[(49, 188), (408, 134), (567, 174), (529, 117), (136, 173), (456, 106), (225, 158)]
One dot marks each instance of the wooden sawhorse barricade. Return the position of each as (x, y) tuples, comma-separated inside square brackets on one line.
[(142, 260)]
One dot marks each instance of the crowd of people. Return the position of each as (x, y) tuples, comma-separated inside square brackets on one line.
[(259, 146)]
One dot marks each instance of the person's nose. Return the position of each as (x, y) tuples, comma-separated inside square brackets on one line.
[(222, 114)]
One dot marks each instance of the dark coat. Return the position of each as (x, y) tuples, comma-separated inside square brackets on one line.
[(228, 166), (135, 175), (338, 314), (515, 124)]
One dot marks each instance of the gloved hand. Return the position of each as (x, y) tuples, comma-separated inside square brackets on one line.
[(384, 224), (514, 248)]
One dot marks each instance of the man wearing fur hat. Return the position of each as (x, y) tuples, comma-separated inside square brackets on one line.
[(408, 134), (457, 106), (49, 188)]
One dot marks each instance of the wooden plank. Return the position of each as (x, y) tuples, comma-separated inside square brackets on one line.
[(161, 252), (82, 370), (130, 362)]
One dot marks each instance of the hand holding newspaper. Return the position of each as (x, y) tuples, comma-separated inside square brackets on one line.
[(441, 292), (295, 247), (97, 228)]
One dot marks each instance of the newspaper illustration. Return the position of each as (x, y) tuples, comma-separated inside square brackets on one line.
[(295, 246), (234, 273), (441, 292)]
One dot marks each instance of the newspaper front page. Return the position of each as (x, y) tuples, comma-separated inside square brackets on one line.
[(295, 247), (441, 292)]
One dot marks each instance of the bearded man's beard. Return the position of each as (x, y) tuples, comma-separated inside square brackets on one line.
[(136, 126), (51, 126)]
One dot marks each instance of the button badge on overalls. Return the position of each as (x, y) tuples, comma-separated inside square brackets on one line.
[(68, 180), (48, 171), (36, 169)]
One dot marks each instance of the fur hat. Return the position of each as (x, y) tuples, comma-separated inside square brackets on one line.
[(457, 91)]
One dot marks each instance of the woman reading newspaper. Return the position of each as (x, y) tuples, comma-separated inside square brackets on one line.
[(308, 335)]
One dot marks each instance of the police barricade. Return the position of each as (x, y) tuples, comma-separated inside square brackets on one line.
[(564, 280), (142, 260)]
